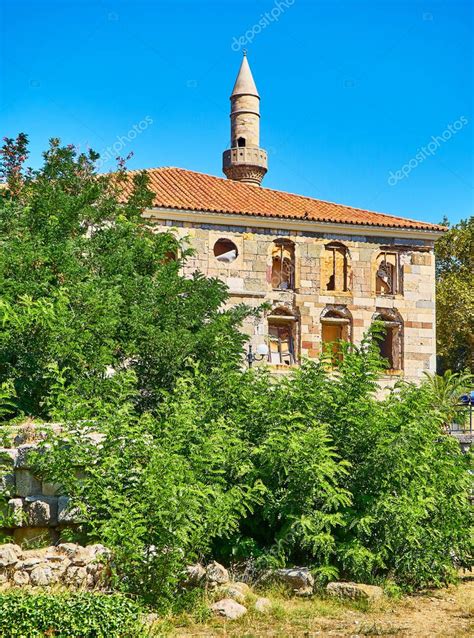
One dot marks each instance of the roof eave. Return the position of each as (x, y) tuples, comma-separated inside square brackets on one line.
[(256, 221)]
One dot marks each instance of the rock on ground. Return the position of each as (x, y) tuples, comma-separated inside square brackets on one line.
[(231, 591), (9, 554), (263, 605), (216, 574), (228, 608), (299, 579), (194, 574), (354, 591)]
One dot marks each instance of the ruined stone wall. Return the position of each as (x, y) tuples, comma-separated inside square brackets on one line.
[(66, 564), (249, 280), (34, 510)]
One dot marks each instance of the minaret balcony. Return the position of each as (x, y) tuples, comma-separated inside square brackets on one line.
[(245, 155)]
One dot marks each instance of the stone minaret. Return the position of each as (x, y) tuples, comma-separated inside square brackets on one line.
[(245, 161)]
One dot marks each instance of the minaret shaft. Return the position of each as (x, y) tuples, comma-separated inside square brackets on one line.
[(245, 161)]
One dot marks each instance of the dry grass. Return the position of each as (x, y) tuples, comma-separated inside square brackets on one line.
[(447, 613)]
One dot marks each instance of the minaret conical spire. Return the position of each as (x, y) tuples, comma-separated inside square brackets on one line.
[(245, 84), (245, 161)]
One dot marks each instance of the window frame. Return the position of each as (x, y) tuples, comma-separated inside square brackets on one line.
[(397, 276), (230, 243), (284, 244), (339, 316), (284, 319), (336, 247), (393, 322)]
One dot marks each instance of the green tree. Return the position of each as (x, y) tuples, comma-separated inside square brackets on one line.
[(88, 287), (455, 297)]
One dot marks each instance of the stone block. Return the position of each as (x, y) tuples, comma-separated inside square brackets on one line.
[(21, 578), (26, 483), (7, 483), (69, 549), (235, 283), (25, 455), (41, 511), (10, 554), (354, 591), (229, 609), (251, 247), (298, 579), (78, 577), (28, 564), (15, 512), (216, 574), (42, 577), (66, 513), (424, 303), (194, 574)]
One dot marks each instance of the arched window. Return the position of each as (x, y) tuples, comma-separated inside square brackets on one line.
[(283, 265), (388, 274), (391, 342), (336, 326), (336, 267), (225, 250), (241, 141), (282, 337)]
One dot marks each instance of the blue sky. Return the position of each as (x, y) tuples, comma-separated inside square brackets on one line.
[(351, 91)]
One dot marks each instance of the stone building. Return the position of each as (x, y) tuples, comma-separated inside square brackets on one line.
[(326, 270)]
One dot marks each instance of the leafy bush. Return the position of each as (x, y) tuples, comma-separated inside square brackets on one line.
[(156, 490), (397, 504), (80, 615), (311, 469)]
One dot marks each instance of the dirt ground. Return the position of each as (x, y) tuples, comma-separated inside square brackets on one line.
[(446, 613)]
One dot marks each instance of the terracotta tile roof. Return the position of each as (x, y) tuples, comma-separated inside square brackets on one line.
[(188, 190)]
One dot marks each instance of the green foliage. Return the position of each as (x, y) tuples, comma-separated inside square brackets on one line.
[(169, 450), (396, 502), (455, 297), (62, 615), (87, 286), (156, 489), (313, 469), (448, 388)]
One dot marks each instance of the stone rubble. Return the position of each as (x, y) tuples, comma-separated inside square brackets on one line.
[(67, 564), (298, 579), (354, 591), (228, 608), (36, 509), (216, 574)]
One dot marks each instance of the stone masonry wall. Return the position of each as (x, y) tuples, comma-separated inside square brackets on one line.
[(66, 564), (249, 280), (34, 509)]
